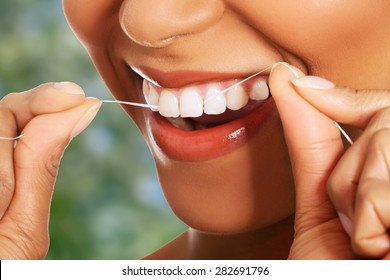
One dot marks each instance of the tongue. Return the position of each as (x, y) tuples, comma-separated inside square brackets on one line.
[(229, 115)]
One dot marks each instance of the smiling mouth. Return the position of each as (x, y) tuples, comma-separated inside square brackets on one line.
[(207, 105), (200, 116)]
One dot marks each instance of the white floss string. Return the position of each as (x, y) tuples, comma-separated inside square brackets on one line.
[(344, 133), (240, 82), (103, 101), (336, 123), (12, 138), (143, 105)]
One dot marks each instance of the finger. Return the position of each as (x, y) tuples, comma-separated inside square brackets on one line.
[(345, 105), (372, 219), (371, 235), (37, 158), (314, 145), (44, 99), (7, 177), (344, 180)]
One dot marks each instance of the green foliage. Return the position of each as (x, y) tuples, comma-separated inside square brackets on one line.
[(107, 202)]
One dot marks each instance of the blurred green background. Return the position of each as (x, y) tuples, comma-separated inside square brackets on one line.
[(107, 202)]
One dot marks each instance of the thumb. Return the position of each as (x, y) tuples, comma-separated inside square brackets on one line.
[(314, 145), (36, 162)]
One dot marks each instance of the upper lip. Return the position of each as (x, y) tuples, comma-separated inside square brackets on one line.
[(181, 78)]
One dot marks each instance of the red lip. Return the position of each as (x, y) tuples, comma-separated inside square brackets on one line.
[(205, 144), (201, 145)]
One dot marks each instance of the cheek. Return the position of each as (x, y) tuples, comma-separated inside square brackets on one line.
[(333, 28), (310, 29), (92, 20)]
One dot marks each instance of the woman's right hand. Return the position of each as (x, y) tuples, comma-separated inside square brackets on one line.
[(342, 197), (48, 116)]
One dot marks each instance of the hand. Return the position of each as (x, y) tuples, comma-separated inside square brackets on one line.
[(337, 192), (49, 116)]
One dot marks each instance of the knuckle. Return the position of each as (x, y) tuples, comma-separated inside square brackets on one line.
[(369, 246), (370, 103), (7, 120), (360, 246), (45, 163), (380, 140), (340, 187), (360, 100), (381, 119), (52, 163), (41, 90), (366, 191)]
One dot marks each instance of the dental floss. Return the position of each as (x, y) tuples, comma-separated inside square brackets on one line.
[(12, 138), (142, 105), (131, 104), (344, 133), (240, 82)]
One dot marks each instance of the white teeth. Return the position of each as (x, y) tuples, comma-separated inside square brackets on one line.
[(259, 91), (169, 104), (236, 98), (145, 88), (214, 102), (191, 104), (153, 98), (151, 95)]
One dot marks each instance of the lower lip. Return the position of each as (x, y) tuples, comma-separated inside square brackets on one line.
[(206, 144)]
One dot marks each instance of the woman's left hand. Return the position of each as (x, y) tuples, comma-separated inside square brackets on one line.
[(343, 197)]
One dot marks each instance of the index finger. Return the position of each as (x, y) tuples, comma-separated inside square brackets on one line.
[(342, 104), (44, 99)]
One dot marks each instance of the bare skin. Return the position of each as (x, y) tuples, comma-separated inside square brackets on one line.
[(241, 204)]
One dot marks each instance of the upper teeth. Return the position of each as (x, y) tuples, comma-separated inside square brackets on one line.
[(193, 101), (215, 103)]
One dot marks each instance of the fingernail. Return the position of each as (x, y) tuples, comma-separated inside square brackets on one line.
[(69, 87), (313, 82), (346, 223), (85, 120), (285, 64)]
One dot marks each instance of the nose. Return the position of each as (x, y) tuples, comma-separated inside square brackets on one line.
[(158, 23)]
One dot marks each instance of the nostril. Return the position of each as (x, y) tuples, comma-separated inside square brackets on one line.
[(154, 23)]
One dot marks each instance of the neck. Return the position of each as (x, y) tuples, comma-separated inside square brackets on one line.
[(273, 242)]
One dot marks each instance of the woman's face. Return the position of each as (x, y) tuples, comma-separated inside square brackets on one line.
[(228, 170)]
